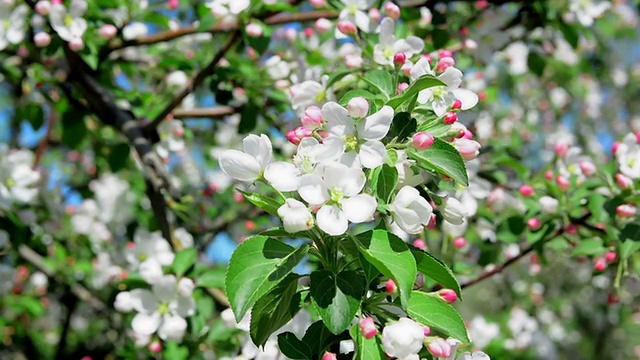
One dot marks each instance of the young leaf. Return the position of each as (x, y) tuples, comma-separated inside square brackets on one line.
[(263, 202), (436, 270), (183, 260), (437, 314), (423, 82), (336, 297), (273, 310), (389, 254), (385, 179), (381, 80), (441, 158), (294, 348), (257, 266)]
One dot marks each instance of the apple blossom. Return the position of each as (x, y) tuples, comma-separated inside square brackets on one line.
[(469, 149), (410, 210), (18, 181), (402, 338), (439, 348), (69, 23), (628, 156), (626, 211), (295, 216), (548, 204), (42, 39), (227, 10), (447, 295), (422, 140), (354, 12), (385, 51), (368, 328), (12, 25), (452, 211), (477, 355)]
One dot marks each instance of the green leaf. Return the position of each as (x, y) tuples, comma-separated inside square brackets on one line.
[(381, 80), (259, 44), (589, 247), (437, 314), (212, 278), (336, 297), (402, 126), (337, 76), (389, 254), (175, 351), (118, 157), (273, 310), (441, 158), (630, 232), (436, 270), (74, 129), (318, 338), (423, 82), (257, 265), (184, 259), (367, 349), (294, 348), (628, 248), (570, 34), (32, 113), (263, 202), (248, 118), (355, 93), (440, 38), (385, 179), (536, 63)]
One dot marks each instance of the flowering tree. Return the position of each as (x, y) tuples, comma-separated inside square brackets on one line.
[(323, 179)]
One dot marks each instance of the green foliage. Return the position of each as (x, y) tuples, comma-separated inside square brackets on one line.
[(434, 313), (441, 158)]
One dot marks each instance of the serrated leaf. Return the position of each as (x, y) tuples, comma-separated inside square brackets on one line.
[(294, 348), (183, 260), (381, 81), (423, 82), (441, 158), (384, 181), (263, 202), (257, 265), (273, 310), (74, 129), (391, 256), (367, 349), (435, 269), (437, 314), (589, 247), (336, 297)]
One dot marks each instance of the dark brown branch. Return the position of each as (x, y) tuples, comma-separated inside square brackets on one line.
[(51, 121), (212, 112)]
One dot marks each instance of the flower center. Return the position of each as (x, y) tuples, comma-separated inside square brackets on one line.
[(321, 96), (9, 183), (68, 20), (142, 257), (352, 9), (389, 53), (336, 195), (439, 92), (163, 308), (350, 143)]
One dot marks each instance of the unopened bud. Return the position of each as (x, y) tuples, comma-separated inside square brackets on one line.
[(600, 264), (347, 27), (368, 328), (457, 105), (626, 211), (254, 30), (422, 140), (42, 39), (399, 58), (420, 244), (444, 63), (402, 87), (323, 25), (439, 348), (612, 299), (312, 118), (526, 190), (427, 331), (563, 182), (447, 295), (43, 7), (353, 61), (318, 3), (155, 346), (615, 146), (587, 168), (444, 53), (392, 10), (76, 44), (548, 175), (533, 224), (610, 256), (108, 31), (291, 136), (374, 15), (173, 4), (329, 356), (561, 149), (358, 107), (469, 149), (390, 286), (624, 181), (459, 242), (450, 118)]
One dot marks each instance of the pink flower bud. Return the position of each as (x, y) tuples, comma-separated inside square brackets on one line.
[(548, 175), (600, 264), (482, 4), (420, 244), (358, 107), (428, 57), (561, 149), (155, 346), (238, 197), (439, 348), (368, 328), (318, 3), (469, 149), (459, 242), (402, 87), (374, 15), (329, 356), (563, 182), (353, 61), (76, 44), (450, 118), (533, 224), (312, 118), (572, 229), (347, 27), (390, 286), (392, 10), (108, 31), (626, 211), (42, 39), (422, 140), (253, 30), (638, 137), (444, 53), (466, 134), (323, 25), (427, 331), (588, 168), (43, 7), (432, 223), (615, 146), (308, 32), (610, 256), (449, 296), (444, 63), (624, 181), (399, 58), (457, 105), (613, 299), (291, 136), (526, 190), (173, 4)]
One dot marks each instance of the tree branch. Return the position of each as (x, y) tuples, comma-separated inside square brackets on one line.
[(211, 112)]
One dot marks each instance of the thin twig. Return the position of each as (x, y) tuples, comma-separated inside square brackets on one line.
[(51, 121), (210, 112)]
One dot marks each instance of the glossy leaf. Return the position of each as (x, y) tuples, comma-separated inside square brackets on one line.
[(441, 158), (433, 312), (336, 297), (436, 270)]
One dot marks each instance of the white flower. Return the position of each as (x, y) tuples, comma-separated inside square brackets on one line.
[(18, 181), (171, 138), (355, 11), (124, 302), (306, 93), (410, 210), (295, 216), (388, 46), (338, 187), (402, 338), (277, 68), (588, 10), (359, 140), (255, 162), (311, 152), (12, 25), (69, 24), (548, 204), (452, 211), (86, 221), (184, 238), (443, 96), (227, 10), (628, 156), (163, 310), (134, 30), (177, 80), (482, 332), (149, 247)]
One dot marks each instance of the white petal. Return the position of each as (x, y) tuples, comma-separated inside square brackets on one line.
[(143, 301), (146, 324), (407, 220), (376, 126), (312, 189), (425, 96), (410, 46), (349, 180), (184, 306), (150, 270), (386, 32), (239, 165), (332, 220), (259, 148), (468, 98), (338, 121), (166, 289), (452, 77), (421, 67), (283, 176), (372, 154), (173, 328), (359, 208)]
